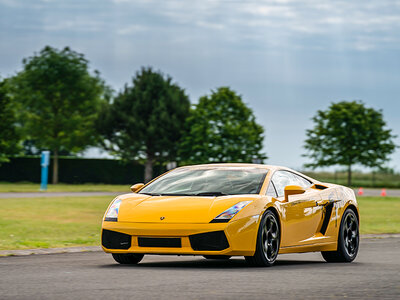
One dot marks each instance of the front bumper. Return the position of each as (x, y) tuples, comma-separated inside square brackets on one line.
[(240, 237)]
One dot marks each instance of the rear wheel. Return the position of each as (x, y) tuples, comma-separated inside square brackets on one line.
[(226, 257), (268, 240), (348, 240), (128, 258)]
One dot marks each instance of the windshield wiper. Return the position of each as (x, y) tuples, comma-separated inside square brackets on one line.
[(211, 194), (150, 194), (182, 194), (177, 194)]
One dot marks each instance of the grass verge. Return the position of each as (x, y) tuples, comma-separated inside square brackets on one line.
[(24, 187), (76, 221), (379, 214), (51, 222)]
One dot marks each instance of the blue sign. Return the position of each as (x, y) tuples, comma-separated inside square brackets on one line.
[(44, 162)]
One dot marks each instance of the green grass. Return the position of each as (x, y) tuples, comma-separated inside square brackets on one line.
[(379, 214), (62, 187), (76, 221), (46, 222)]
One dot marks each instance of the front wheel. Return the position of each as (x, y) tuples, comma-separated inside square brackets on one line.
[(127, 259), (268, 240), (348, 240)]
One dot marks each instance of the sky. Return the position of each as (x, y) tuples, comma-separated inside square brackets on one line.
[(286, 58)]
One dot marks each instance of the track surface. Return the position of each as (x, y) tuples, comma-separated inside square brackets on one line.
[(375, 274)]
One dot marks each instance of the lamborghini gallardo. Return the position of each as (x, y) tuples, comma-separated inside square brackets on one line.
[(224, 210)]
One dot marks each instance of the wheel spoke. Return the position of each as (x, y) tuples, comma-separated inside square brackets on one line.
[(274, 245), (268, 224), (347, 224)]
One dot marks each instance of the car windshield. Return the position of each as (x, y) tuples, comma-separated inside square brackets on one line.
[(208, 182)]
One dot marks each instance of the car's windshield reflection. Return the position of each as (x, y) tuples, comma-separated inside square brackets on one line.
[(207, 182)]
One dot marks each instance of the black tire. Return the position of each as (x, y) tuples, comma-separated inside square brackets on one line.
[(268, 241), (127, 259), (348, 240), (225, 257)]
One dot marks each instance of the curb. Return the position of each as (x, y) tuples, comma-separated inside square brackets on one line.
[(41, 251), (378, 236), (49, 251)]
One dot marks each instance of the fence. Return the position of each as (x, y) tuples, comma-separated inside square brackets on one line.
[(76, 170), (373, 179)]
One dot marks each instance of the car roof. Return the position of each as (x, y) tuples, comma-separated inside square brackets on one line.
[(235, 165)]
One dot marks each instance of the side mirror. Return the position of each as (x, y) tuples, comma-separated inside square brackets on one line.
[(293, 190), (136, 187)]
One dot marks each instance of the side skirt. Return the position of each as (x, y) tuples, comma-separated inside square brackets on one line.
[(331, 246)]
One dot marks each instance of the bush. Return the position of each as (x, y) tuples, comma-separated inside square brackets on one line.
[(76, 170)]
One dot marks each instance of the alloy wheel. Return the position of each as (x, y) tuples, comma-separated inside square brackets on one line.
[(350, 234), (270, 238)]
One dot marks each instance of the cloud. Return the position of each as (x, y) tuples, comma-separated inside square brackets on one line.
[(131, 29), (10, 3), (81, 25), (267, 23), (282, 23)]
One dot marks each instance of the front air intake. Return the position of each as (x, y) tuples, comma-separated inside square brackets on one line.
[(209, 241), (115, 240), (159, 242)]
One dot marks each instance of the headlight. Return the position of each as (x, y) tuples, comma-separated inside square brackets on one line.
[(112, 213), (228, 214)]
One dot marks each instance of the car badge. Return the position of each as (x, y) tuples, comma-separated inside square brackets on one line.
[(162, 218)]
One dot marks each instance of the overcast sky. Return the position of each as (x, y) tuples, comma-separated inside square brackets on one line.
[(286, 58)]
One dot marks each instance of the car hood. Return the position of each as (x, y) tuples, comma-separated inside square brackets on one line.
[(175, 209)]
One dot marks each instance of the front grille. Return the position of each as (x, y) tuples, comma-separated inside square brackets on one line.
[(159, 242), (209, 241), (115, 240)]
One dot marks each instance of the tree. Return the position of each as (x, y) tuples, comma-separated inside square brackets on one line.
[(221, 128), (145, 120), (349, 133), (59, 100), (9, 137)]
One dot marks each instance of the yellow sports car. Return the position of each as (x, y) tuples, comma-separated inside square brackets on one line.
[(224, 210)]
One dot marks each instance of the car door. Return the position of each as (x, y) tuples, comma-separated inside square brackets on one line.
[(301, 217)]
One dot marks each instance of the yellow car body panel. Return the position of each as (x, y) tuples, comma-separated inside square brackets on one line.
[(304, 221)]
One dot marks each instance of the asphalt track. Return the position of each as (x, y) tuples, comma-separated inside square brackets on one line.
[(375, 274)]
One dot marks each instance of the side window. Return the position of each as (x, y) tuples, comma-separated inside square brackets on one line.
[(284, 178), (301, 181), (271, 190), (280, 180)]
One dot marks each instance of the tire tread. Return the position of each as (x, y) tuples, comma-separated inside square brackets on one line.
[(128, 258)]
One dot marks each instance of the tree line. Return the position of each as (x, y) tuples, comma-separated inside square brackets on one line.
[(56, 103)]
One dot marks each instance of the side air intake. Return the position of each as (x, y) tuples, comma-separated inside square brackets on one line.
[(115, 240), (209, 241)]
